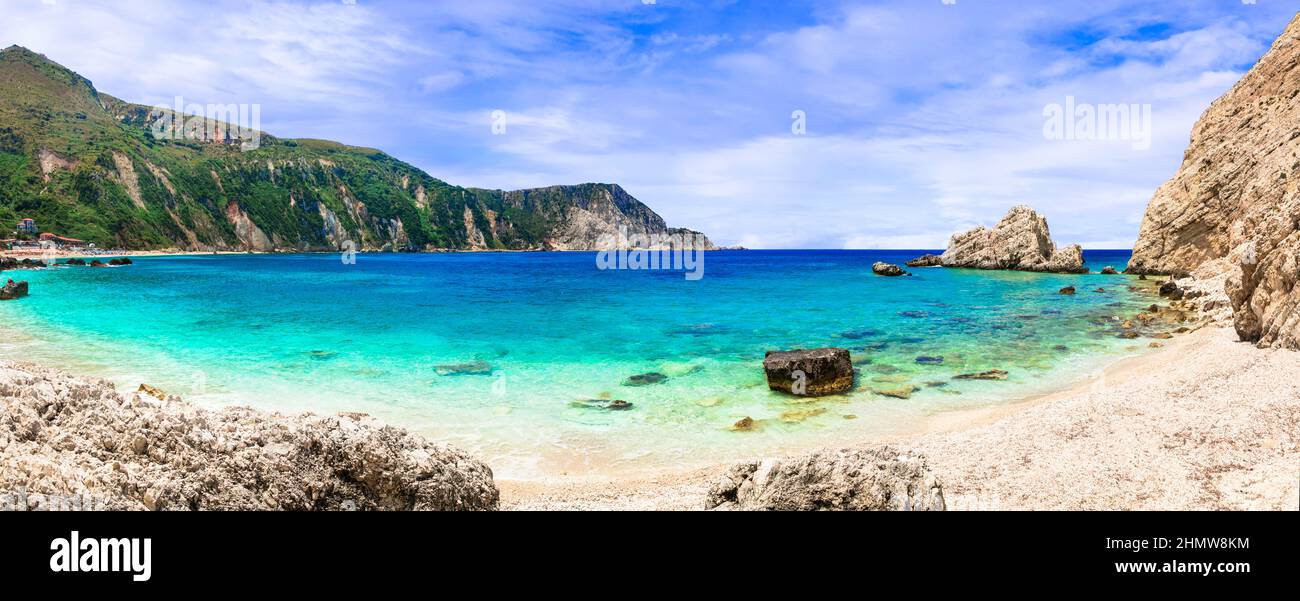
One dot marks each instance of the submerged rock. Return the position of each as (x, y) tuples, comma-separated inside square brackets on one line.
[(901, 392), (887, 269), (745, 424), (471, 368), (809, 372), (1068, 291), (13, 290), (647, 379), (992, 374), (923, 360), (796, 416), (873, 479), (603, 404), (135, 452), (926, 260), (1021, 241)]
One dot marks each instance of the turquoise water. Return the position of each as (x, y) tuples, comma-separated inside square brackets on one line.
[(497, 352)]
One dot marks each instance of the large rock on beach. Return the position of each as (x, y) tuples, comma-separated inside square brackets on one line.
[(1021, 241), (814, 372), (68, 440), (872, 479), (1235, 201)]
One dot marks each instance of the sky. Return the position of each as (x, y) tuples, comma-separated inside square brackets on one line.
[(763, 123)]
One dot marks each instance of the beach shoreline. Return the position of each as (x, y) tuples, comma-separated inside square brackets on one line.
[(1163, 392), (1204, 423), (1147, 433)]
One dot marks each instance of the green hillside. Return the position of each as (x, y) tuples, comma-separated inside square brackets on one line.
[(86, 165)]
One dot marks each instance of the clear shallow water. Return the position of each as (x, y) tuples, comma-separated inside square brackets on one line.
[(307, 332)]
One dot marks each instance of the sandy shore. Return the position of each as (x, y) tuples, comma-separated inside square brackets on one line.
[(1205, 423), (37, 253)]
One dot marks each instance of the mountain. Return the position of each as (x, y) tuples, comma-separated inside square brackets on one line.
[(1233, 208), (87, 165)]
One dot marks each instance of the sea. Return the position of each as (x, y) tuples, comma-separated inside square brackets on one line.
[(521, 358)]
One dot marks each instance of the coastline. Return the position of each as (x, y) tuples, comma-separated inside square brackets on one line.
[(1205, 423), (1141, 433)]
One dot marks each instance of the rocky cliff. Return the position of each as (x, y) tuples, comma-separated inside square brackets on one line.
[(89, 166), (1021, 241), (1234, 204)]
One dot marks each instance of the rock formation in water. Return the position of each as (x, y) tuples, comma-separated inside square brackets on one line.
[(1234, 206), (813, 372), (926, 260), (1021, 241), (873, 479), (887, 269), (13, 290), (89, 166), (67, 440)]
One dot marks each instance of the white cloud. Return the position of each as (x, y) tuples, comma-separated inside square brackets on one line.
[(922, 118)]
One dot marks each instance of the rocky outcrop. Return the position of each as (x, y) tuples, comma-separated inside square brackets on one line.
[(63, 437), (814, 372), (1236, 198), (926, 260), (1021, 241), (887, 269), (13, 290), (8, 263), (874, 479)]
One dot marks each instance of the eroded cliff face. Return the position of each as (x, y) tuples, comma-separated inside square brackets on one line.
[(1234, 203), (1021, 241)]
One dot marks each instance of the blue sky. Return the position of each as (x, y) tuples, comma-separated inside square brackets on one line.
[(923, 118)]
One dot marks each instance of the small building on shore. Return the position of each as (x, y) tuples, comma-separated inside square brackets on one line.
[(27, 226), (61, 242)]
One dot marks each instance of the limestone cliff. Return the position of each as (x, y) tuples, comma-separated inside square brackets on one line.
[(1021, 241), (1234, 204)]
